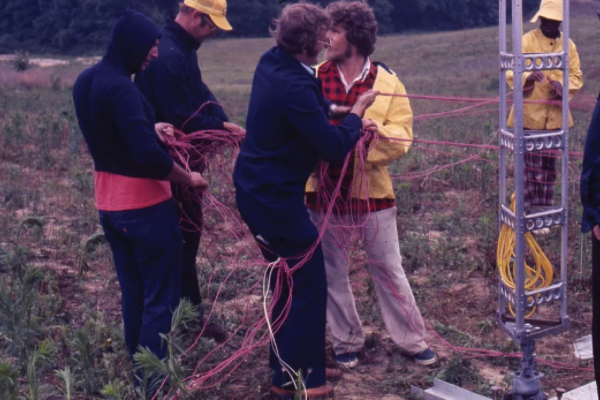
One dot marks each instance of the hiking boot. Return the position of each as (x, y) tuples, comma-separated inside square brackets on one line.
[(426, 357), (333, 374), (348, 360)]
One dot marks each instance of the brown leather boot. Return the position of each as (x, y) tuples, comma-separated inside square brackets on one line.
[(324, 392), (333, 374)]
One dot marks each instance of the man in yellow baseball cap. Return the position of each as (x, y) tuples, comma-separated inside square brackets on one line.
[(215, 9), (173, 85)]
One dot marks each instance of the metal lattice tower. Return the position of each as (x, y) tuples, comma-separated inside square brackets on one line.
[(527, 381)]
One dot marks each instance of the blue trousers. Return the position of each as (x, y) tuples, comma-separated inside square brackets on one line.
[(596, 307), (301, 340), (147, 250), (189, 209)]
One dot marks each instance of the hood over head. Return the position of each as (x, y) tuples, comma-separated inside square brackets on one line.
[(132, 37)]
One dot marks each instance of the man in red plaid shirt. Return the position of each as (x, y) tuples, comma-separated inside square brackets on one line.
[(366, 197)]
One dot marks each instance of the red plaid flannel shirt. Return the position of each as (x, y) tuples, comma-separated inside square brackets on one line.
[(334, 91)]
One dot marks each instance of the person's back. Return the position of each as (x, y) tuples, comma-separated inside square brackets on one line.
[(276, 142), (283, 142)]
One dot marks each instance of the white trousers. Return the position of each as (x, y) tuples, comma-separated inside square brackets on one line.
[(379, 236)]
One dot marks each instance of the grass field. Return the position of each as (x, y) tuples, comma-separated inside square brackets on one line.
[(65, 315)]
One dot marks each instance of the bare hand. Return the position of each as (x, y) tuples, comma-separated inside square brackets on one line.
[(197, 181), (364, 101), (369, 125), (340, 110), (238, 130), (596, 232), (536, 76), (164, 129), (556, 93), (530, 83)]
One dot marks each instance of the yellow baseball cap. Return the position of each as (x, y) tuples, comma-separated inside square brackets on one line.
[(550, 9), (216, 9)]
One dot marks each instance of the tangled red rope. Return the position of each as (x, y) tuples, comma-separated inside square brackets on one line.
[(214, 152)]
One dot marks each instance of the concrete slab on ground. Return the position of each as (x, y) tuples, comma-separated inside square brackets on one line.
[(445, 391), (583, 348)]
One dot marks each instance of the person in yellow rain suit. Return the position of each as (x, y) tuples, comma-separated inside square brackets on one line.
[(540, 167)]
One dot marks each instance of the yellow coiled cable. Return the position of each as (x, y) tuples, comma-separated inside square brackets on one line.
[(541, 275)]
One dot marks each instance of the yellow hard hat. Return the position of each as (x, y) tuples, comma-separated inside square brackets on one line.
[(550, 9), (216, 9)]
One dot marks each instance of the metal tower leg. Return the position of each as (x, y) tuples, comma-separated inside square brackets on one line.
[(527, 381)]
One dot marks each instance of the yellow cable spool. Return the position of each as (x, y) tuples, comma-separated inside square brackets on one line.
[(541, 275)]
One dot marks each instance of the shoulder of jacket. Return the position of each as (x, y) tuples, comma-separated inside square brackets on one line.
[(381, 66), (388, 76), (121, 86), (171, 52), (572, 43), (174, 62)]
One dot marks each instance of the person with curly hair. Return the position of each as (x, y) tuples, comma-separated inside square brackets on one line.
[(366, 200)]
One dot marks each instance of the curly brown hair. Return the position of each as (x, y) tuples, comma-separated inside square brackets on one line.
[(298, 28), (359, 22)]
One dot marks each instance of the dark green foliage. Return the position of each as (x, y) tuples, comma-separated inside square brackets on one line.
[(450, 14), (63, 26), (21, 61), (459, 372), (9, 381), (83, 26)]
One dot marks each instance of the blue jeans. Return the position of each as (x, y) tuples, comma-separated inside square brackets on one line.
[(301, 339), (147, 249)]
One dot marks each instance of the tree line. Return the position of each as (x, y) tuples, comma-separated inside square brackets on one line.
[(83, 26)]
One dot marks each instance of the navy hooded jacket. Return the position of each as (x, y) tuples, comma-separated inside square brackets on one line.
[(287, 132), (590, 175), (173, 83), (116, 120)]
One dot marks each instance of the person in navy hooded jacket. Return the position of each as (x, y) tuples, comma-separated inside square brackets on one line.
[(590, 199), (288, 131), (132, 175)]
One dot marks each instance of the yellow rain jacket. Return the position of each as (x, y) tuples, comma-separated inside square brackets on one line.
[(543, 116), (394, 119)]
